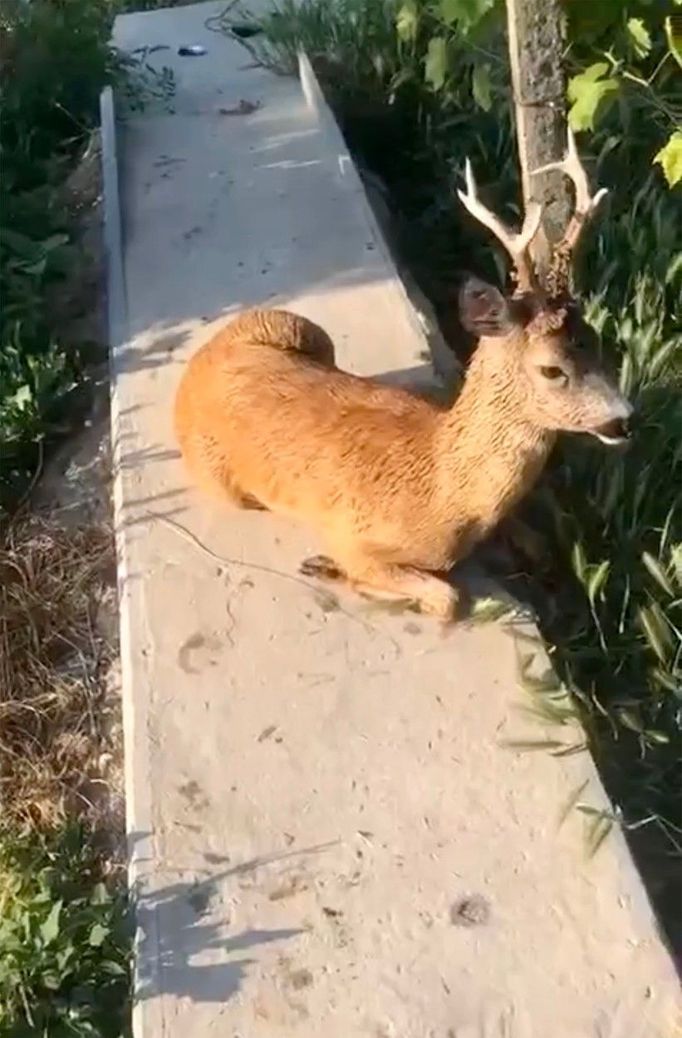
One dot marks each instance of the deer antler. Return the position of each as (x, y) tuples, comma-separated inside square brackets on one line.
[(518, 243), (585, 205)]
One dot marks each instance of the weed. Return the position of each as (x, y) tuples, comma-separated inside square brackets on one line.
[(64, 939)]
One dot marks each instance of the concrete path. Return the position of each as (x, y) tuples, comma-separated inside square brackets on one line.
[(328, 837)]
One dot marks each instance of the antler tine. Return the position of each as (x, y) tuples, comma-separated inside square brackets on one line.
[(585, 204), (516, 243)]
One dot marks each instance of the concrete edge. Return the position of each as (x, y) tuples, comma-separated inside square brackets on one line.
[(315, 100), (135, 707), (117, 308), (418, 308)]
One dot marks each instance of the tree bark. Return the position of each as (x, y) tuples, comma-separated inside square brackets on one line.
[(537, 39)]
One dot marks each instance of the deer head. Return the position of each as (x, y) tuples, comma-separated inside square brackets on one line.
[(556, 357)]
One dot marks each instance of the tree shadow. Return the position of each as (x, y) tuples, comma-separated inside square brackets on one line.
[(186, 944)]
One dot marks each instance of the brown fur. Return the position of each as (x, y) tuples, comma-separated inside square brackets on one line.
[(400, 487)]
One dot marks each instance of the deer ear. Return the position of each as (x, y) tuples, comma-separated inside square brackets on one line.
[(483, 310)]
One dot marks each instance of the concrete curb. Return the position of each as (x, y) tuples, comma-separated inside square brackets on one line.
[(422, 315), (135, 706)]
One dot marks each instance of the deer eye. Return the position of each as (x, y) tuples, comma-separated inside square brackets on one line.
[(553, 374)]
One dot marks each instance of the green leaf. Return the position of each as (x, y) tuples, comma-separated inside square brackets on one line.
[(35, 269), (664, 679), (64, 955), (467, 12), (630, 720), (488, 609), (98, 935), (114, 969), (579, 561), (673, 33), (407, 21), (656, 630), (100, 895), (22, 398), (481, 87), (674, 269), (598, 831), (436, 64), (591, 96), (589, 75), (658, 573), (571, 803), (676, 561), (50, 928), (597, 580), (666, 353), (449, 11), (640, 38), (654, 736), (670, 158), (55, 241)]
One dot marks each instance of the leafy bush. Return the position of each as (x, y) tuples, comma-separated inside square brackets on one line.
[(621, 53), (64, 941), (638, 48), (55, 60)]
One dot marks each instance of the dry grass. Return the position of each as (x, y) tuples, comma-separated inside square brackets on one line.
[(57, 707)]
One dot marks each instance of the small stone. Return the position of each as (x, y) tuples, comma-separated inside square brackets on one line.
[(473, 910), (301, 979)]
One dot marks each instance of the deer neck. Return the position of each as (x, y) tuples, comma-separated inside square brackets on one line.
[(490, 452)]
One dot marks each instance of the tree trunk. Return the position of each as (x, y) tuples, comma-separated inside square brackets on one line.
[(537, 39)]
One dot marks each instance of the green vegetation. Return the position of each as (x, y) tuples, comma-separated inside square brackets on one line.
[(417, 86), (64, 941), (55, 58)]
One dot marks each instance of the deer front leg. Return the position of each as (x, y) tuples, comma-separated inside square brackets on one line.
[(389, 582)]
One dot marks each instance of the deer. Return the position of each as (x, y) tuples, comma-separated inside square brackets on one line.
[(401, 487)]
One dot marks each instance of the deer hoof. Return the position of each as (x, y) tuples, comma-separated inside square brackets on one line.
[(442, 601), (322, 567)]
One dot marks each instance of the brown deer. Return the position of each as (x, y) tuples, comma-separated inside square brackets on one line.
[(399, 486)]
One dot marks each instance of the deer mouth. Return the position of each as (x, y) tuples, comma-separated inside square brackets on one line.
[(614, 432)]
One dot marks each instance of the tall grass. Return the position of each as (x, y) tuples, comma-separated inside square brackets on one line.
[(617, 521)]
